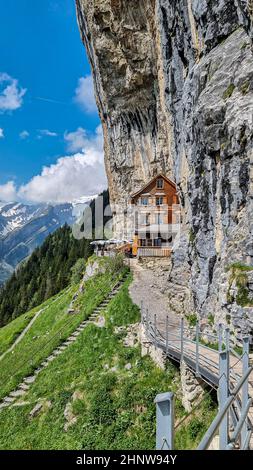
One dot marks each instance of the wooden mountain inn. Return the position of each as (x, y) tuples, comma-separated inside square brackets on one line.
[(156, 219)]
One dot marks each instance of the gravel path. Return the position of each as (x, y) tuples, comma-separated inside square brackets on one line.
[(149, 288)]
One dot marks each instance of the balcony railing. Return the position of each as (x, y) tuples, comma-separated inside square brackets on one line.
[(154, 251)]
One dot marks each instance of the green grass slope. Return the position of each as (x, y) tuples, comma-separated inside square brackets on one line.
[(50, 329), (108, 406), (10, 333)]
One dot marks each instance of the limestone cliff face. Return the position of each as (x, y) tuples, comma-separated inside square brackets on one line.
[(174, 88)]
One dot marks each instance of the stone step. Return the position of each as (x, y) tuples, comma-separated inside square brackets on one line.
[(44, 364), (30, 379), (57, 353), (72, 339), (38, 370), (75, 334), (17, 393), (3, 405), (62, 348), (9, 399), (24, 386), (50, 358)]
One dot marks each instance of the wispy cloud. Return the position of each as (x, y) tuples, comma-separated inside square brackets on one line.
[(76, 140), (24, 135), (84, 95), (50, 100), (11, 94), (1, 133), (47, 133)]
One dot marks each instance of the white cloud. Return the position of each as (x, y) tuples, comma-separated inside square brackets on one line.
[(11, 94), (47, 133), (79, 139), (24, 135), (71, 177), (8, 192), (84, 95), (1, 133)]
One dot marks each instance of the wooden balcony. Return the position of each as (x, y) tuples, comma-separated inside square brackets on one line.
[(156, 252)]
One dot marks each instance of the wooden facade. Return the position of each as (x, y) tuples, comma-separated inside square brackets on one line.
[(154, 217)]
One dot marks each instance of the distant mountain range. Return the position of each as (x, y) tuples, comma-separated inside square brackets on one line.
[(24, 227)]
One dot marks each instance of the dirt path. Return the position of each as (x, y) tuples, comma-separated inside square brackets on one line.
[(28, 327), (21, 336), (149, 288)]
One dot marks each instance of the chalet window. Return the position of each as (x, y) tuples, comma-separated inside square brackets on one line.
[(158, 242), (159, 183), (143, 242), (144, 201), (144, 219), (159, 218), (159, 201)]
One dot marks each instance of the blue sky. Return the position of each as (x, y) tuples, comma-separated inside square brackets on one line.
[(49, 125)]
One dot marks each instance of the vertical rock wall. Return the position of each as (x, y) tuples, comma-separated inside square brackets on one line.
[(174, 88)]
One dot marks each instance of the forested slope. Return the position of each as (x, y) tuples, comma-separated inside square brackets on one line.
[(46, 272)]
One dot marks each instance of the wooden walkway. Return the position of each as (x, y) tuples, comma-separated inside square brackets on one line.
[(201, 359), (146, 292)]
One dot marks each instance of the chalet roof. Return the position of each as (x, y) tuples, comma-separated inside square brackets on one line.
[(160, 175)]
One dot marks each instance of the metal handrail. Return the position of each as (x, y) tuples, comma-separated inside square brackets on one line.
[(209, 435), (232, 387)]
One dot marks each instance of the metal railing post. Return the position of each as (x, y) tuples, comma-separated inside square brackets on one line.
[(223, 395), (142, 312), (245, 387), (220, 337), (197, 348), (227, 338), (165, 421), (182, 338), (167, 334)]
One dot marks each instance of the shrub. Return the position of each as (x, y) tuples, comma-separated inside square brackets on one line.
[(115, 264), (245, 87), (102, 409), (192, 319), (196, 426), (77, 271), (229, 91)]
